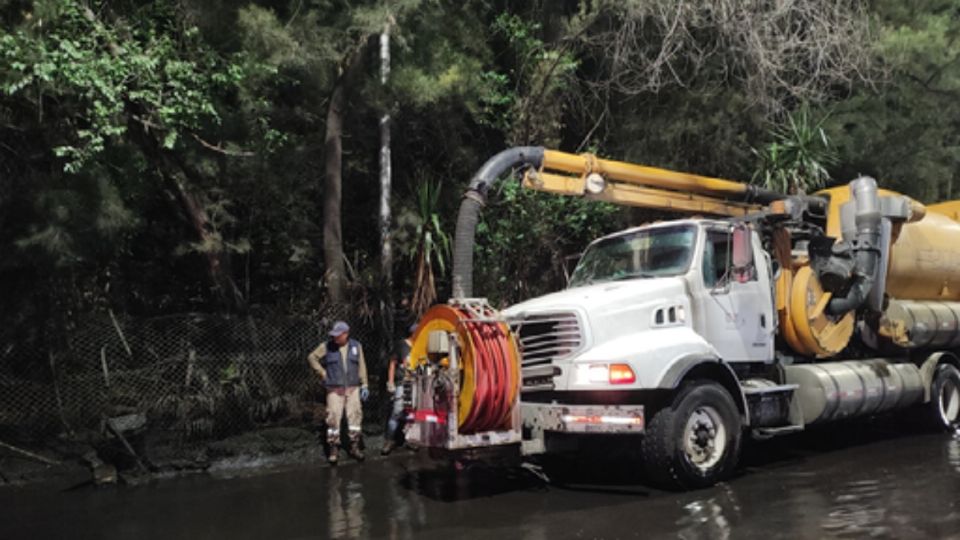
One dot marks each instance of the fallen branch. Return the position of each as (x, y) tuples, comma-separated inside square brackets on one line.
[(220, 149), (123, 338), (116, 433), (28, 454), (103, 365)]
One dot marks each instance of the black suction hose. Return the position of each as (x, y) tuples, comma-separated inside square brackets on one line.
[(473, 200)]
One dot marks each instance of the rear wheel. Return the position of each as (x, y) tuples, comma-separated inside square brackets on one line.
[(695, 441), (945, 398)]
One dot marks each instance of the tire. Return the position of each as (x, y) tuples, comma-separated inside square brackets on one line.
[(944, 407), (695, 441)]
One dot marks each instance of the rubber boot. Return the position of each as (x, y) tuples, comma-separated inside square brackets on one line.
[(388, 447), (355, 451), (334, 450)]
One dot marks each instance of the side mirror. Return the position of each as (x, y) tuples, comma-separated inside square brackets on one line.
[(742, 254)]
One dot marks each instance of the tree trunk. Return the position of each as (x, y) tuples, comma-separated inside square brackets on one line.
[(386, 254), (217, 262), (333, 194), (174, 170), (335, 273)]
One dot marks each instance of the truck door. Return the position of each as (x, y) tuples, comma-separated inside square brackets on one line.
[(734, 309)]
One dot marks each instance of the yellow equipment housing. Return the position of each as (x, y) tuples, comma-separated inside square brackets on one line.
[(924, 253)]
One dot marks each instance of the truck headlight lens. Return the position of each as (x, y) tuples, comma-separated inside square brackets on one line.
[(605, 373), (592, 373)]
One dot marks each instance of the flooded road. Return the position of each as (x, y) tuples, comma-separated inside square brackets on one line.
[(844, 482)]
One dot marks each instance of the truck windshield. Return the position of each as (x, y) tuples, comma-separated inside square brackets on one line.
[(657, 252)]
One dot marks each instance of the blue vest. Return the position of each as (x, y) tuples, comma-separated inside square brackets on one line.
[(333, 364)]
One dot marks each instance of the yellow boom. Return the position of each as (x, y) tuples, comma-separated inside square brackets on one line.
[(636, 185)]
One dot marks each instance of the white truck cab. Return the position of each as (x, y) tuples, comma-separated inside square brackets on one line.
[(651, 301), (643, 309)]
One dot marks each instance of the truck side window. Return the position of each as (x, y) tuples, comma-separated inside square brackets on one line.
[(716, 258)]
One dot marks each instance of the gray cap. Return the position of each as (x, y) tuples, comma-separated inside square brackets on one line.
[(413, 328), (338, 328)]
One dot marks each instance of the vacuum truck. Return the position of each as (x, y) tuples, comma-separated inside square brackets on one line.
[(758, 315)]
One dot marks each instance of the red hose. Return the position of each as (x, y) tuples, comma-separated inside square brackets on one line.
[(495, 378)]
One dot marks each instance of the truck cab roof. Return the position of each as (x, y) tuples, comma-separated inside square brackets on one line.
[(669, 223)]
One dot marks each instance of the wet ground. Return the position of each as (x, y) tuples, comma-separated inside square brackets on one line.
[(844, 482)]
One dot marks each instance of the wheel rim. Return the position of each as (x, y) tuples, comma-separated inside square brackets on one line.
[(704, 438), (950, 401)]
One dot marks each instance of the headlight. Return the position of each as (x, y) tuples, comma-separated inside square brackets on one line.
[(605, 373), (591, 373)]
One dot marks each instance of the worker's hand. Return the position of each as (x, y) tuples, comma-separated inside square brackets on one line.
[(364, 393), (391, 387)]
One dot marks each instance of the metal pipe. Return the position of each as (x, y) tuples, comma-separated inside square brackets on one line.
[(866, 246)]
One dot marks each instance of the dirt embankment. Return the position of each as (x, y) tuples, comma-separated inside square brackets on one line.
[(66, 464)]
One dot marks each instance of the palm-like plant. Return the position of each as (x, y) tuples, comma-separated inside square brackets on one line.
[(796, 160), (431, 245)]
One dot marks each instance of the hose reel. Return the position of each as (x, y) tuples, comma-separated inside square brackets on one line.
[(482, 365)]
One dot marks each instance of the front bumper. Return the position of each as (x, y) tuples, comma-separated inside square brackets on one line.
[(540, 418)]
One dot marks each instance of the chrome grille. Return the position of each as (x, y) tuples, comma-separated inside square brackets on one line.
[(546, 337)]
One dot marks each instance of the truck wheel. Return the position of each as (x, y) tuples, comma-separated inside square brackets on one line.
[(945, 398), (695, 441)]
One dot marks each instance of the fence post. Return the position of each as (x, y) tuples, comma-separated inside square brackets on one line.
[(56, 392)]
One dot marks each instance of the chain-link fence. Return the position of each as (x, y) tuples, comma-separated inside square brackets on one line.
[(196, 377)]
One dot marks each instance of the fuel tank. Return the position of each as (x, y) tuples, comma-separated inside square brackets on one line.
[(837, 390)]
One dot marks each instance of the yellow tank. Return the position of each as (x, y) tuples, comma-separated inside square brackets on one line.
[(925, 256)]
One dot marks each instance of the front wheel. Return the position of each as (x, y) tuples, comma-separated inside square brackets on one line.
[(945, 398), (695, 441)]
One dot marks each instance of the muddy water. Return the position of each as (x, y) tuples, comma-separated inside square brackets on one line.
[(844, 482)]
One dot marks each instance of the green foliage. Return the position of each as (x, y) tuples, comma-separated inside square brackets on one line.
[(102, 77), (797, 157), (528, 241), (542, 73), (106, 114), (431, 247), (905, 131)]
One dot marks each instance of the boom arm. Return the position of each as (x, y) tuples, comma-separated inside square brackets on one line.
[(649, 187), (599, 179)]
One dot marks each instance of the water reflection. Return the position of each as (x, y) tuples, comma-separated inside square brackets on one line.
[(895, 487), (345, 505), (857, 511), (953, 452), (405, 512), (708, 518)]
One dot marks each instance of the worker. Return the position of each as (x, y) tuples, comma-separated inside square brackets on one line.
[(396, 372), (340, 365)]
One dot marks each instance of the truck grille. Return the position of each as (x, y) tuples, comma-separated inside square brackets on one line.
[(546, 337)]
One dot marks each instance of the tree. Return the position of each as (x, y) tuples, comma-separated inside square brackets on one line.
[(99, 82), (432, 246), (798, 157), (778, 53), (386, 178), (905, 131)]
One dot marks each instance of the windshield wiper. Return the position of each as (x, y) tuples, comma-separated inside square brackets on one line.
[(634, 275)]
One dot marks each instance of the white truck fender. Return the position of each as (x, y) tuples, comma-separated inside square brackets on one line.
[(710, 367)]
